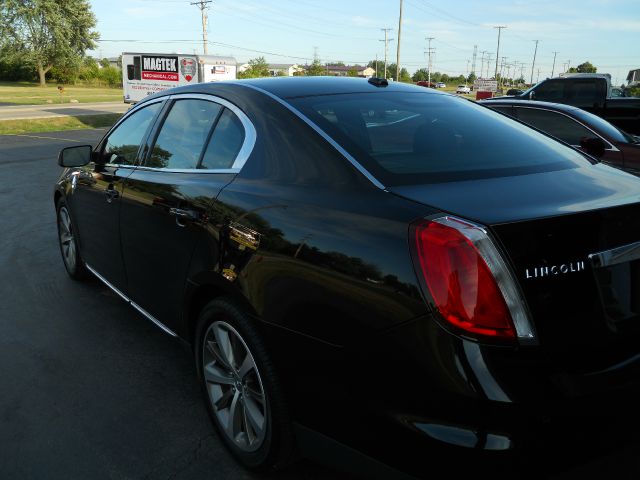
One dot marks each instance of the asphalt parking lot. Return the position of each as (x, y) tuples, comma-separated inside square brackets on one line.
[(89, 388)]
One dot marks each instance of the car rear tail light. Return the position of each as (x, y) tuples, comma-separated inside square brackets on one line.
[(469, 282)]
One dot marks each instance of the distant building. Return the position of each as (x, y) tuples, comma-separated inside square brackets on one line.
[(284, 69), (343, 70)]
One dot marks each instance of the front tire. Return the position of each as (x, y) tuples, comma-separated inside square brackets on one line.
[(241, 388), (68, 242)]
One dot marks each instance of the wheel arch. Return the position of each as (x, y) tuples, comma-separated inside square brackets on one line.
[(203, 289)]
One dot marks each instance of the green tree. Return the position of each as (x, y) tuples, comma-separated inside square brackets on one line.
[(104, 63), (316, 69), (352, 72), (585, 67), (471, 78), (47, 33), (420, 75), (258, 67)]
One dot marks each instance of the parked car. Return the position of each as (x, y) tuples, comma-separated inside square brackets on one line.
[(578, 128), (425, 83), (441, 85), (463, 89), (370, 271), (591, 92)]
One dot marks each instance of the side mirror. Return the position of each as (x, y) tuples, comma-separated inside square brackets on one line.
[(593, 146), (532, 95), (75, 156)]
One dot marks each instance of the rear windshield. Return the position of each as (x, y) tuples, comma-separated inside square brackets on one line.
[(409, 138)]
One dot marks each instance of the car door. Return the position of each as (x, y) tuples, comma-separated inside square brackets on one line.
[(566, 128), (97, 190), (191, 156)]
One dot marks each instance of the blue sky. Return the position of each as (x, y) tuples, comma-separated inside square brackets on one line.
[(605, 32)]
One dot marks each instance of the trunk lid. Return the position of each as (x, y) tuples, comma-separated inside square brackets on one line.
[(549, 226)]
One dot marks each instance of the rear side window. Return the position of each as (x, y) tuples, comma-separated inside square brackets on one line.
[(121, 147), (225, 142), (410, 138), (554, 123), (583, 93), (183, 134)]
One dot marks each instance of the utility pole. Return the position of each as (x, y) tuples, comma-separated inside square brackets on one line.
[(538, 78), (467, 77), (482, 63), (398, 51), (495, 75), (534, 60), (473, 63), (429, 50), (376, 65), (502, 65), (386, 48), (553, 69), (202, 5), (488, 63)]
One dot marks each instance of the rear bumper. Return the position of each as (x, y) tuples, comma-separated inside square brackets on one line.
[(420, 400)]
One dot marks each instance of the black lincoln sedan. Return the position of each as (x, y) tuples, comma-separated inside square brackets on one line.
[(380, 273)]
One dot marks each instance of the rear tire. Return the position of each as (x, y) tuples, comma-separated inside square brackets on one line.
[(68, 243), (241, 388)]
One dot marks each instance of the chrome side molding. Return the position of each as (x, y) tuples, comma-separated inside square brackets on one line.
[(156, 322)]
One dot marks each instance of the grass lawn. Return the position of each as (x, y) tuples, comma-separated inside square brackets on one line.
[(16, 127), (27, 93)]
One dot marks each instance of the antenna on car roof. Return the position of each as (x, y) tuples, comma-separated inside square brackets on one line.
[(378, 82)]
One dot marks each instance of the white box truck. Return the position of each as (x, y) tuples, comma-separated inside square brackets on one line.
[(148, 73)]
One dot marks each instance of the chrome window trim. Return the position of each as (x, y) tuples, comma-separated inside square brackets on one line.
[(614, 256), (155, 321), (612, 148), (189, 170), (248, 143), (320, 132)]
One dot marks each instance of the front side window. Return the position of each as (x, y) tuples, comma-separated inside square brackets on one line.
[(121, 147), (413, 138), (555, 124), (183, 134), (550, 91)]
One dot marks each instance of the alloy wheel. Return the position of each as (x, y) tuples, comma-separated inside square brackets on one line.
[(234, 386), (67, 239)]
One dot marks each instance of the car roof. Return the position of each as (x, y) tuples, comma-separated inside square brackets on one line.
[(527, 103), (292, 87)]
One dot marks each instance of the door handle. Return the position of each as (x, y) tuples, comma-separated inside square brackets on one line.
[(183, 216), (111, 194)]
